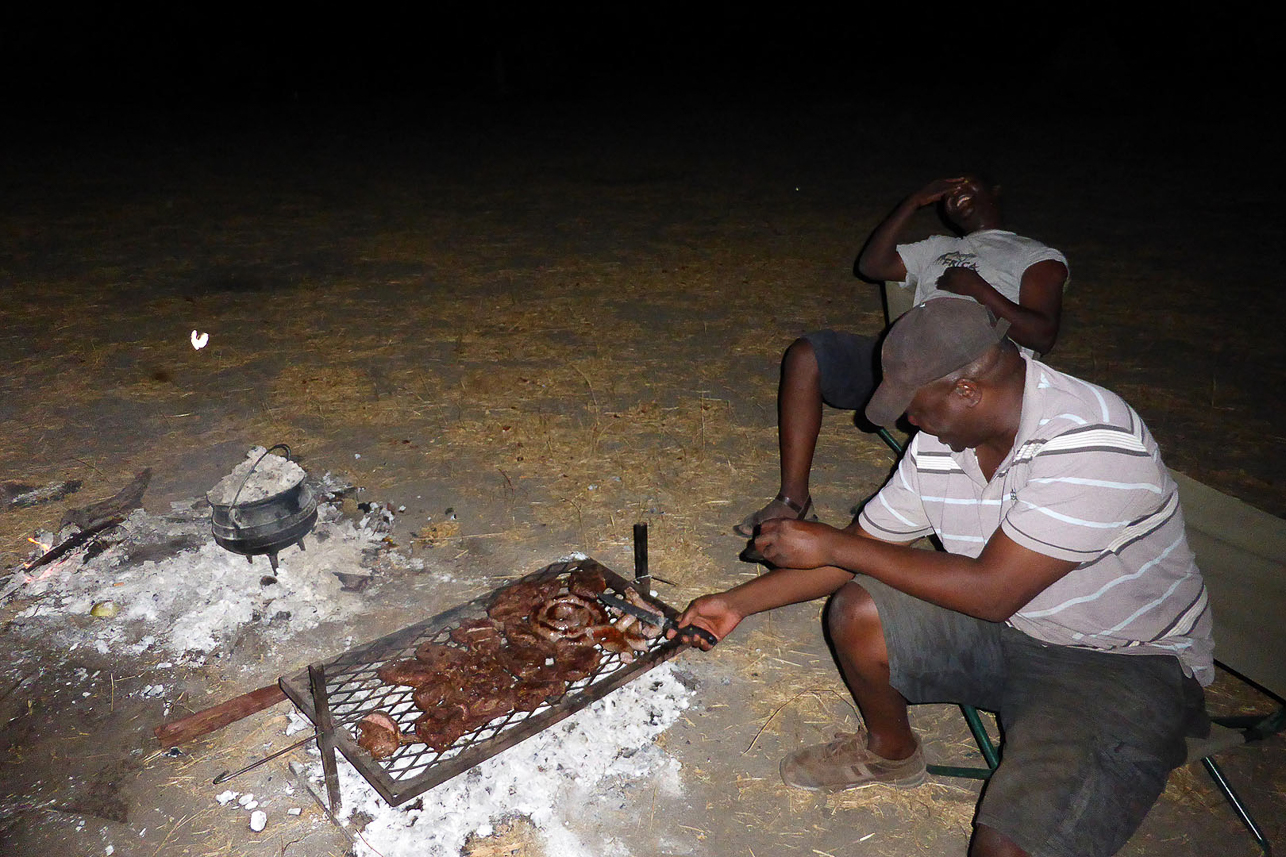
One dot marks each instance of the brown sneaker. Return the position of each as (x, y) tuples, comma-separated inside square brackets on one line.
[(845, 763)]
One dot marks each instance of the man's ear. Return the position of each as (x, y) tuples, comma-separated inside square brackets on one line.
[(969, 390)]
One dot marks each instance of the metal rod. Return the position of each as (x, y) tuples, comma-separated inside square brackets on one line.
[(1234, 800), (640, 552), (325, 732), (980, 735), (306, 784), (225, 776)]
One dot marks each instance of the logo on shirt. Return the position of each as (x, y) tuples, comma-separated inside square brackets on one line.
[(959, 259)]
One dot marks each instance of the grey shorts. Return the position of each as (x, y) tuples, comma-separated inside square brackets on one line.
[(1089, 737), (848, 367)]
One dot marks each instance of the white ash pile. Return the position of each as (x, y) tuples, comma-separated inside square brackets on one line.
[(160, 584)]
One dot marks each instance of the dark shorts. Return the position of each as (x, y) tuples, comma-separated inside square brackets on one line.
[(848, 366), (1089, 737)]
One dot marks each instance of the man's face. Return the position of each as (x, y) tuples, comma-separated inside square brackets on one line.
[(965, 203), (944, 410)]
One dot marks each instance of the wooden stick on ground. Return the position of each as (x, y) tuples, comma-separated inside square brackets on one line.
[(216, 717)]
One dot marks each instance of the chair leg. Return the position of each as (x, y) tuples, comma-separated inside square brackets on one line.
[(980, 735), (889, 439), (985, 747), (1221, 783)]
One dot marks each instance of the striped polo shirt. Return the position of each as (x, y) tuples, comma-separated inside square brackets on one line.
[(1084, 482)]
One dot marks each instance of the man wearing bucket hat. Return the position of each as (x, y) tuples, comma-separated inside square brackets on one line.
[(1066, 598), (1018, 278)]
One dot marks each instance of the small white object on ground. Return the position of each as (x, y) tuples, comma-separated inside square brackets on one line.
[(224, 797), (199, 340), (258, 820)]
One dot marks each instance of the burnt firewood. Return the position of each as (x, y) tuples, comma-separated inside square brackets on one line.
[(116, 507), (16, 495)]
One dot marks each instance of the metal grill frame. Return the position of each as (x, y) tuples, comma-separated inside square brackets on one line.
[(352, 691)]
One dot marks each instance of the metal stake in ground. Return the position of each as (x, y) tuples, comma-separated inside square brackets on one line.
[(641, 574), (325, 732)]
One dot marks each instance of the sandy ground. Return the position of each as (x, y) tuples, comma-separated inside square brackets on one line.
[(554, 324)]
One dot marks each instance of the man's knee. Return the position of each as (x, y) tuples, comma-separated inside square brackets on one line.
[(854, 623), (800, 359), (989, 842)]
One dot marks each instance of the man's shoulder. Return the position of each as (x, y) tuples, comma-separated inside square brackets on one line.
[(1065, 414), (1011, 242)]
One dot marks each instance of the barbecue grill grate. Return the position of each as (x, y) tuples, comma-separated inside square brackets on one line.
[(353, 690)]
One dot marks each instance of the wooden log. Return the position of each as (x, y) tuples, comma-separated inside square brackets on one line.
[(119, 505), (216, 717)]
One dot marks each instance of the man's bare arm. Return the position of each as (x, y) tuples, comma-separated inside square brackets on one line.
[(1035, 319), (879, 259), (1003, 578), (721, 612)]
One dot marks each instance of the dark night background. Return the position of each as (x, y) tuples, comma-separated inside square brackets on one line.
[(1109, 57)]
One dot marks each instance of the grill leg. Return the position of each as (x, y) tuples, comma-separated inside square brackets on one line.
[(325, 732)]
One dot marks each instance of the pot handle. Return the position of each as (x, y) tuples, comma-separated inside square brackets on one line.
[(232, 507)]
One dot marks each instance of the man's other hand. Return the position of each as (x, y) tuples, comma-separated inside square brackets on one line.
[(787, 543), (961, 281), (936, 190)]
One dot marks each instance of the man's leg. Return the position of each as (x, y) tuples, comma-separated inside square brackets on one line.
[(858, 635), (864, 659), (799, 417), (1090, 739), (893, 648), (824, 366), (989, 842)]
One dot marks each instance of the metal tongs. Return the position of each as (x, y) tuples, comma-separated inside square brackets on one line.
[(657, 619)]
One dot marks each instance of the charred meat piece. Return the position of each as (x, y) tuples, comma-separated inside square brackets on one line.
[(529, 694), (442, 727), (487, 706), (431, 694), (520, 633), (520, 599), (586, 582), (520, 658), (411, 673), (481, 677), (612, 639), (441, 657), (575, 661), (479, 635), (380, 735)]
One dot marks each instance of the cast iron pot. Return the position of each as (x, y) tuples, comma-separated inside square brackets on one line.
[(268, 525)]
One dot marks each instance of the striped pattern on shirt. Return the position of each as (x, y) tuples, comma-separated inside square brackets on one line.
[(1085, 483)]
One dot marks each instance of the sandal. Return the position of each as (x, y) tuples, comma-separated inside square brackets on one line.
[(798, 511)]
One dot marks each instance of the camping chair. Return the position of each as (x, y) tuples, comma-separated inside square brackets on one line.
[(1241, 552)]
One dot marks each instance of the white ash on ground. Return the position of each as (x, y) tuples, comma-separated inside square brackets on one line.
[(592, 764), (175, 593)]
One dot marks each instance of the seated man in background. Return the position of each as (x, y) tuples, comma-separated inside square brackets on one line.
[(1067, 599), (1019, 279)]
